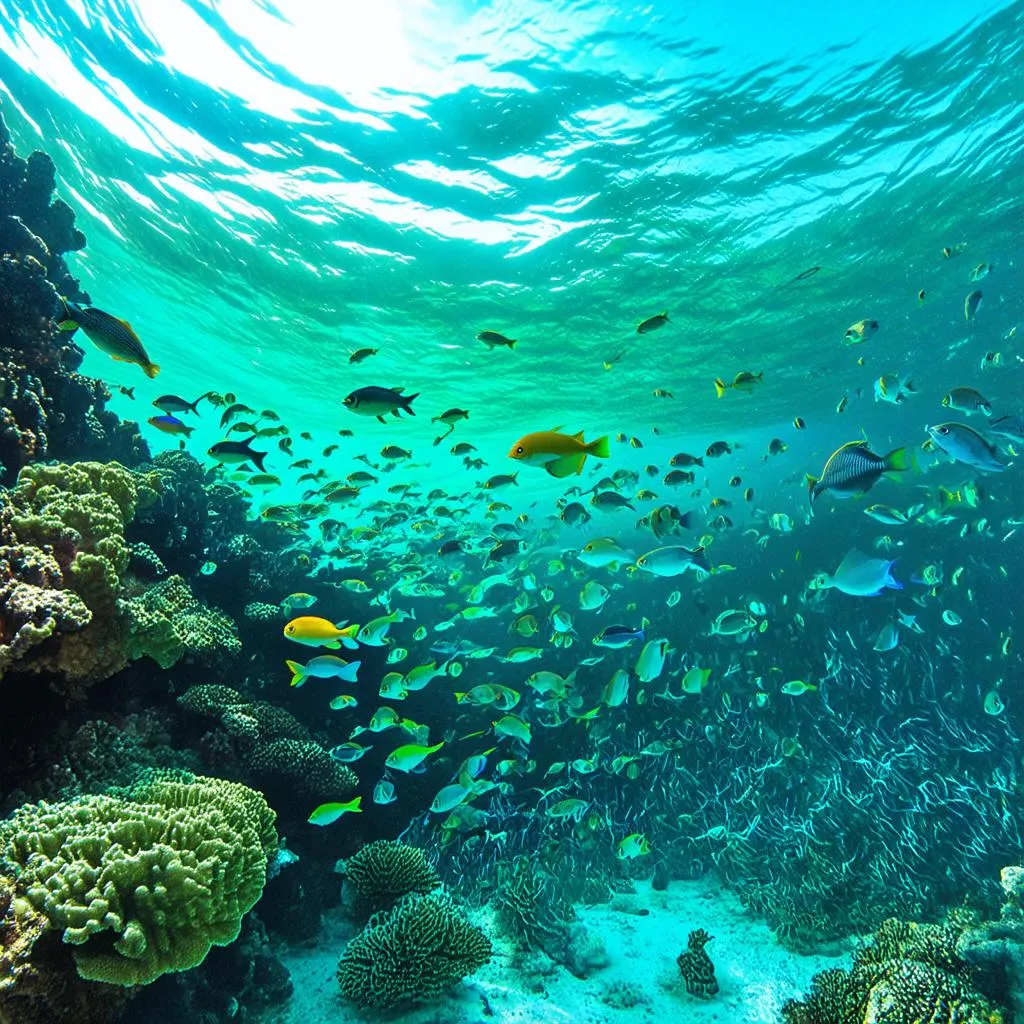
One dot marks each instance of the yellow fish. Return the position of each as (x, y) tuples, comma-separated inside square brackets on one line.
[(313, 631), (560, 454)]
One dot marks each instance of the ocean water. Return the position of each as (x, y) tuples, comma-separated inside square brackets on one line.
[(268, 187)]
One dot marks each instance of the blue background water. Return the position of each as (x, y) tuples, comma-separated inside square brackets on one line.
[(266, 187)]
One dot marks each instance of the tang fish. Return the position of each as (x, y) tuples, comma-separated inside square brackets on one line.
[(854, 469), (314, 631), (859, 576), (560, 454), (327, 666)]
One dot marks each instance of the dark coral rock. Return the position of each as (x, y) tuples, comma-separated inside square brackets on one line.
[(47, 410), (233, 984), (696, 967), (174, 524)]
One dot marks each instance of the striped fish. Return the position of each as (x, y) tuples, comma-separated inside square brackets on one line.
[(853, 469), (109, 334)]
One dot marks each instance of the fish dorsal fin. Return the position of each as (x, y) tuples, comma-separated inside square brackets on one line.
[(578, 435), (398, 391), (555, 430), (124, 323)]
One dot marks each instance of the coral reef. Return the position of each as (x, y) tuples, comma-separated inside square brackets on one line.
[(696, 967), (416, 950), (47, 409), (907, 973), (234, 983), (382, 872), (530, 907), (146, 882), (268, 747), (997, 947), (71, 609), (38, 982)]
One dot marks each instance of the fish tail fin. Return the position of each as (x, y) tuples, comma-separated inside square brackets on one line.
[(512, 342), (151, 370), (257, 458), (810, 686), (407, 404), (812, 487), (700, 558), (600, 448), (686, 520), (298, 675), (332, 645), (188, 431), (514, 476), (719, 386), (460, 698), (195, 405), (351, 671), (899, 460)]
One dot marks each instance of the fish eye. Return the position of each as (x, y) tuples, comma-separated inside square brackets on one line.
[(943, 430), (519, 449), (289, 629)]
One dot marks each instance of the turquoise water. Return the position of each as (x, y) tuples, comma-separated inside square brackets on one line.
[(268, 187)]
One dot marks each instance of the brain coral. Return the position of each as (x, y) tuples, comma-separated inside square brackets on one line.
[(414, 951), (382, 872), (145, 883)]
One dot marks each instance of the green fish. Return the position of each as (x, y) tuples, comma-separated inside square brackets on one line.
[(410, 756), (327, 814)]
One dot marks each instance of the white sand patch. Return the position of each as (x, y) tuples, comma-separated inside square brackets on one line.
[(642, 934)]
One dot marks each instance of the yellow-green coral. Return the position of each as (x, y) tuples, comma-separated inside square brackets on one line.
[(75, 517), (143, 885), (168, 621)]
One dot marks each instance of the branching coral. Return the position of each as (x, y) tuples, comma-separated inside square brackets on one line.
[(382, 872), (530, 907), (415, 951), (908, 973), (144, 883)]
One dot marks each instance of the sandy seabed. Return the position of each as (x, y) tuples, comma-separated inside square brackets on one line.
[(643, 934)]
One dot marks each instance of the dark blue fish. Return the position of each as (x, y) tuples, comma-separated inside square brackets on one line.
[(621, 636)]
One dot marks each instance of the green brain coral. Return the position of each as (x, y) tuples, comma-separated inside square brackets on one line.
[(147, 883), (414, 951)]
